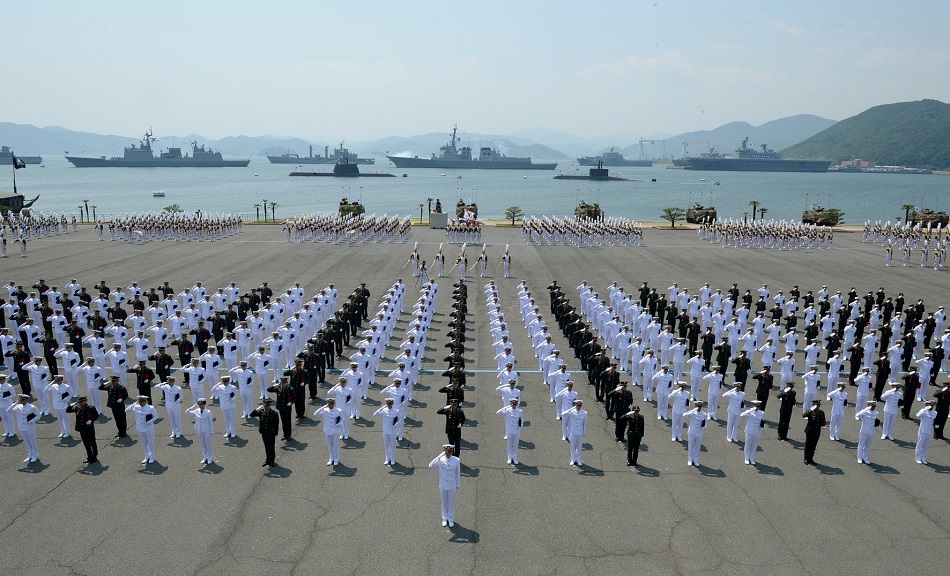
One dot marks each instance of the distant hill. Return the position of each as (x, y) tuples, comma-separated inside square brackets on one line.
[(777, 134), (911, 134)]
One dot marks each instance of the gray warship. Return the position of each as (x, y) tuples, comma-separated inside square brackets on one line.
[(450, 157), (340, 156), (141, 156)]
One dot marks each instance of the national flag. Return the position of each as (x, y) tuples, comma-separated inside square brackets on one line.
[(17, 163)]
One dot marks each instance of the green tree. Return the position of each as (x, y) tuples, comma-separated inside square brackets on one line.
[(173, 209), (754, 204), (273, 214), (833, 216), (907, 208), (762, 212), (513, 213), (673, 214)]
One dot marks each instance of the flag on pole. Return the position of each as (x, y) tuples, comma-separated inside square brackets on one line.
[(17, 163)]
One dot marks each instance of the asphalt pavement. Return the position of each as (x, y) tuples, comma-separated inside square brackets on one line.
[(542, 517)]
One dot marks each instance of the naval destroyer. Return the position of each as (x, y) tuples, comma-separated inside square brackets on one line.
[(451, 157), (141, 156), (749, 159)]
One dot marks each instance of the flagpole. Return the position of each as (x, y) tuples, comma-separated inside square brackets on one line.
[(13, 163)]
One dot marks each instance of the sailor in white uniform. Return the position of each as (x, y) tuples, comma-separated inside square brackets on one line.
[(450, 480)]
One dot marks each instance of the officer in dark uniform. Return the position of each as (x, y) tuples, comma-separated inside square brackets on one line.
[(943, 409), (453, 391), (764, 387), (911, 383), (635, 428), (814, 422), (21, 358), (144, 378), (298, 383), (116, 401), (266, 293), (185, 350), (454, 419), (86, 417), (787, 397), (606, 380), (268, 427), (285, 403), (308, 358), (743, 365), (202, 337), (619, 401), (163, 364)]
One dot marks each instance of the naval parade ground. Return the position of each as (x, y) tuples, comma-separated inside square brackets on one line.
[(542, 517)]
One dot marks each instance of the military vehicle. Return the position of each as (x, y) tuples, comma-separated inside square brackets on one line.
[(928, 216), (585, 210), (461, 207), (698, 213), (351, 208), (822, 216)]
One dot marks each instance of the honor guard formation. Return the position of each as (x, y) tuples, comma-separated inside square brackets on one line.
[(656, 339), (906, 240), (548, 231), (165, 227), (766, 234), (336, 228)]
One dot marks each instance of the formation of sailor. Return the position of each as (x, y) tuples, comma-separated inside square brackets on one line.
[(778, 234), (581, 231)]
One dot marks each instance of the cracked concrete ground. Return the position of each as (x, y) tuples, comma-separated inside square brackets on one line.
[(544, 517)]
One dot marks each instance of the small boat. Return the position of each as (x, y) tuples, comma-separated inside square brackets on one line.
[(159, 194), (257, 175)]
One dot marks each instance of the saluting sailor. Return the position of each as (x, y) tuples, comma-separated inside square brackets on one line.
[(450, 480)]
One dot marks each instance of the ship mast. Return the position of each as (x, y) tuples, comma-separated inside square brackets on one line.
[(452, 141), (147, 142)]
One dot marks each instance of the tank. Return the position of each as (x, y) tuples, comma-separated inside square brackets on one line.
[(585, 210), (698, 213), (822, 216), (461, 207), (928, 216), (351, 208)]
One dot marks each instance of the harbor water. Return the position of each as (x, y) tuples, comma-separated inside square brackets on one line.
[(62, 189)]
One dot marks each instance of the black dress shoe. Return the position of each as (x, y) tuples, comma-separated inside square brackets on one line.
[(264, 464), (630, 463), (86, 461)]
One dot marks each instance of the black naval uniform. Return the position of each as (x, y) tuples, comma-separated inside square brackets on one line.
[(86, 416), (635, 427), (454, 419), (785, 413), (815, 421), (268, 427), (116, 401)]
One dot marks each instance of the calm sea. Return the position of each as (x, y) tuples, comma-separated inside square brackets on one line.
[(62, 188)]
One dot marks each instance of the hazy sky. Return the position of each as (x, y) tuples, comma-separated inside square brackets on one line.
[(360, 70)]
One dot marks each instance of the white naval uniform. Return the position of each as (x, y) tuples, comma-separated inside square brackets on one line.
[(27, 427), (753, 432), (173, 398), (390, 418), (694, 434), (576, 420), (868, 419), (736, 399), (227, 397), (60, 392), (146, 428), (513, 424), (7, 395), (204, 428), (450, 480), (333, 419), (679, 398), (925, 434), (891, 399), (838, 398)]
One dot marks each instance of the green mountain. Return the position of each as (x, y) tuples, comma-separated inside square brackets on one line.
[(914, 134)]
